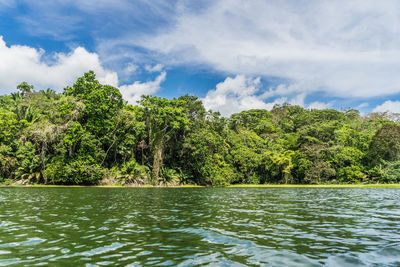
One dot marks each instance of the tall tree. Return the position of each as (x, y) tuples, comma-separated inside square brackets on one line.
[(102, 103), (24, 88), (162, 117), (386, 142)]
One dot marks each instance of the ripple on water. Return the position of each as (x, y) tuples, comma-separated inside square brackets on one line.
[(203, 226), (389, 256)]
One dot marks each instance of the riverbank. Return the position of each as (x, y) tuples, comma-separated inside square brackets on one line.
[(101, 186), (229, 186), (317, 185)]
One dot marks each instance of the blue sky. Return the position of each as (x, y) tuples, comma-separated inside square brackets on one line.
[(233, 54)]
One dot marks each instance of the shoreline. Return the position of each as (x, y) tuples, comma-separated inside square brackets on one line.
[(200, 186), (315, 186)]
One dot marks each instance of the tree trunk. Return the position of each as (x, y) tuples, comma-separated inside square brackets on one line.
[(43, 156), (157, 163)]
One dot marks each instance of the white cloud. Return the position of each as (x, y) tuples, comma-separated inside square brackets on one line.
[(242, 93), (319, 105), (348, 49), (134, 91), (298, 100), (155, 68), (130, 68), (388, 106), (23, 63), (362, 105), (344, 48), (234, 95)]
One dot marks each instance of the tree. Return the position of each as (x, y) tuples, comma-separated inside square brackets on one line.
[(279, 165), (10, 127), (246, 149), (102, 103), (24, 88), (386, 142), (29, 164), (163, 117), (88, 134)]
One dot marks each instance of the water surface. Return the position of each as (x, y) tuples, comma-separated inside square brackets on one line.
[(199, 226)]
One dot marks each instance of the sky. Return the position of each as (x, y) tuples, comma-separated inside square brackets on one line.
[(233, 54)]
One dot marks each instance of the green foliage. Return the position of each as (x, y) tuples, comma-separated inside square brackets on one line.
[(10, 127), (28, 166), (89, 135), (217, 172), (386, 142), (7, 161), (24, 87), (246, 149), (102, 102), (133, 172), (302, 167), (278, 166), (163, 118), (170, 176), (79, 172), (203, 153), (345, 156), (320, 172), (385, 172), (350, 174)]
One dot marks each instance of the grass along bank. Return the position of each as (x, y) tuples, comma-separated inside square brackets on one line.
[(103, 186), (316, 185), (228, 186)]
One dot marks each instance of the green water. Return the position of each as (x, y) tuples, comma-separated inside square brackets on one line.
[(199, 226)]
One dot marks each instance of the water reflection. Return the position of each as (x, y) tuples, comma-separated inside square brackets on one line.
[(199, 226)]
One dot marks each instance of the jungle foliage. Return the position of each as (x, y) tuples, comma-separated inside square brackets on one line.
[(89, 135)]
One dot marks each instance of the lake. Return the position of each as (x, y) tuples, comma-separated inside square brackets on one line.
[(199, 226)]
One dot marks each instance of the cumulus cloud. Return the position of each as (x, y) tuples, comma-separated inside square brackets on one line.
[(388, 106), (242, 93), (347, 49), (319, 105), (234, 95), (134, 91), (23, 63), (344, 48)]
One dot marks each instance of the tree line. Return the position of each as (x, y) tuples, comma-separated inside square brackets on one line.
[(88, 135)]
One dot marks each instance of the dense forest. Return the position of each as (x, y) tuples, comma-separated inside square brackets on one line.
[(89, 135)]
